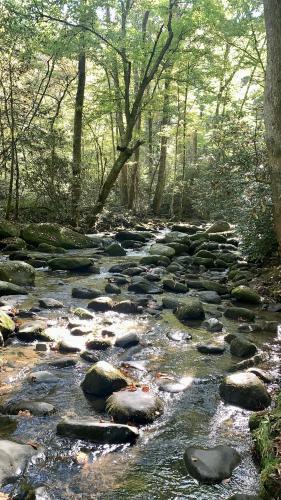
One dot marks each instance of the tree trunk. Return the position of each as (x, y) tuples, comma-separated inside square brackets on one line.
[(272, 105), (77, 139), (134, 178), (158, 196)]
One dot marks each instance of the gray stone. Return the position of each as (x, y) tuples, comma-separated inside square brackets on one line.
[(128, 340), (210, 297), (85, 293), (101, 304), (134, 406), (163, 250), (97, 432), (102, 379), (242, 348), (36, 408), (7, 288), (49, 303), (111, 288), (211, 465), (72, 264), (126, 307), (14, 458), (191, 310), (246, 390)]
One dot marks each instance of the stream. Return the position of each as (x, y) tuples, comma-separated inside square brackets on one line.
[(153, 468)]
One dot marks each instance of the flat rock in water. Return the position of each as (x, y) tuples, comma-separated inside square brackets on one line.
[(85, 293), (83, 313), (97, 432), (211, 465), (63, 362), (68, 346), (134, 406), (128, 340), (101, 304), (14, 458), (37, 408), (7, 288), (49, 303), (213, 325), (211, 297), (211, 348), (42, 377), (179, 336)]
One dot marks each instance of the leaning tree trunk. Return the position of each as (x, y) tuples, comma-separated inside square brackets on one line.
[(77, 139), (158, 195), (272, 105)]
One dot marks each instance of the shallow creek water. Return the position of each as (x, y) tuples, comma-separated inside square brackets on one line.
[(153, 468)]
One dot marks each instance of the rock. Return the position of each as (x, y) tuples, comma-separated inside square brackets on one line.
[(180, 248), (97, 432), (98, 343), (126, 307), (133, 271), (72, 264), (211, 348), (192, 309), (163, 250), (210, 297), (239, 313), (68, 346), (111, 288), (244, 497), (174, 286), (13, 244), (36, 408), (7, 326), (131, 244), (7, 288), (242, 348), (185, 228), (173, 387), (211, 465), (246, 390), (219, 227), (101, 304), (157, 260), (245, 294), (41, 347), (63, 362), (201, 261), (14, 458), (208, 285), (115, 250), (49, 303), (46, 248), (89, 356), (213, 325), (102, 379), (82, 313), (134, 406), (128, 340), (179, 336), (33, 330), (8, 229), (129, 235), (85, 293), (78, 331), (17, 272), (42, 377), (264, 376), (170, 303), (55, 235), (143, 286)]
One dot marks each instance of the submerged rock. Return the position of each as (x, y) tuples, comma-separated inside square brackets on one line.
[(134, 406), (246, 390), (102, 379), (14, 458), (97, 432), (17, 272), (211, 465), (55, 235), (191, 310)]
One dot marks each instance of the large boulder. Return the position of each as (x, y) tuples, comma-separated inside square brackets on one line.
[(97, 432), (17, 272), (7, 326), (7, 288), (219, 227), (157, 260), (245, 294), (14, 458), (163, 250), (134, 406), (130, 235), (101, 304), (208, 285), (55, 235), (72, 264), (239, 313), (191, 310), (246, 390), (46, 248), (211, 465), (85, 293), (102, 379), (242, 348), (7, 229), (36, 408), (115, 250)]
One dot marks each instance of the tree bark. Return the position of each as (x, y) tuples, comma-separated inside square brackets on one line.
[(158, 195), (272, 105)]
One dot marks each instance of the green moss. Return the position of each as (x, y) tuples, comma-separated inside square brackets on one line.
[(266, 431)]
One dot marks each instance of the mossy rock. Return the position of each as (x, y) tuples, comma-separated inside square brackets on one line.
[(219, 227), (191, 310), (17, 272), (7, 326), (245, 294), (218, 238), (239, 313), (157, 260), (242, 348), (96, 431), (199, 237), (55, 235), (46, 248), (201, 261), (8, 229), (205, 254), (115, 250), (71, 264), (13, 244), (163, 250), (7, 288), (102, 379)]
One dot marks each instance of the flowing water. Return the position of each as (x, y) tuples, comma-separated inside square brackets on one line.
[(153, 468)]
